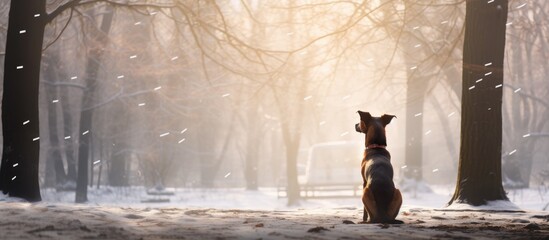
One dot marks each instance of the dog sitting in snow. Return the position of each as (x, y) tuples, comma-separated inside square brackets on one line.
[(381, 199)]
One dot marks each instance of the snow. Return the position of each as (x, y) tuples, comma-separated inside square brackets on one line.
[(498, 205), (215, 213)]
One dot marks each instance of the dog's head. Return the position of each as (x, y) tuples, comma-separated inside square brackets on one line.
[(374, 125)]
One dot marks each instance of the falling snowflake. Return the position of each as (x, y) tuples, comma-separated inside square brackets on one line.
[(26, 122), (22, 31), (86, 132), (157, 88), (182, 140), (228, 174), (164, 134), (19, 67), (55, 101)]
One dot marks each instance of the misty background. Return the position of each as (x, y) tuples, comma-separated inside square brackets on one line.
[(228, 93)]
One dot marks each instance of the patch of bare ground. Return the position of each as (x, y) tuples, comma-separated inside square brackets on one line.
[(36, 221)]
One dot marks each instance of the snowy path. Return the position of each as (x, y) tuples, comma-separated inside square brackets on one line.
[(68, 221)]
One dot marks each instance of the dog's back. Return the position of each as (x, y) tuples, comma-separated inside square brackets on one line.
[(378, 177)]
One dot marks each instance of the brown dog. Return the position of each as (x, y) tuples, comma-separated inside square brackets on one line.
[(381, 199)]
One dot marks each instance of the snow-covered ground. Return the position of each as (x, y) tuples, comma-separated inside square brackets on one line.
[(118, 213), (266, 198)]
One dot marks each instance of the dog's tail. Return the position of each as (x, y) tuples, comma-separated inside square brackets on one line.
[(383, 192)]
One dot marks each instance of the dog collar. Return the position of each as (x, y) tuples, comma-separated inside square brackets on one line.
[(375, 146)]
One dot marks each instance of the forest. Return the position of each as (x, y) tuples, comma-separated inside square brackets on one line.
[(167, 114)]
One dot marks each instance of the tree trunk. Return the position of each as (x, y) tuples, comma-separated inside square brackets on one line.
[(92, 70), (479, 176), (54, 151), (118, 175), (68, 146), (20, 155), (292, 149), (414, 126)]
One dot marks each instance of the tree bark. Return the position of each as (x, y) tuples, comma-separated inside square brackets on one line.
[(479, 177), (20, 155)]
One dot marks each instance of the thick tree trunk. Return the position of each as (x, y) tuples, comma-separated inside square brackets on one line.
[(20, 155), (92, 70), (479, 176)]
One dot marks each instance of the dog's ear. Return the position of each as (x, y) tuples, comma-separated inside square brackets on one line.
[(365, 116), (365, 119), (386, 119)]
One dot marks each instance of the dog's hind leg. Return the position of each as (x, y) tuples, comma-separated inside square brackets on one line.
[(365, 215), (370, 205), (395, 204)]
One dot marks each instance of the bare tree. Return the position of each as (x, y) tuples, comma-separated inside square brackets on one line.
[(85, 125)]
